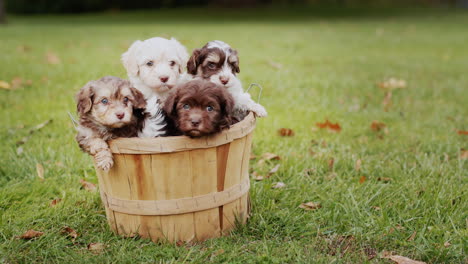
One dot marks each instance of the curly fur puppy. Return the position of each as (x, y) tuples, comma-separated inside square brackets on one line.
[(219, 63), (108, 108), (199, 108)]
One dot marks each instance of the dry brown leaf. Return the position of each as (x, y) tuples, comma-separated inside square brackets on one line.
[(333, 127), (310, 206), (371, 253), (252, 157), (462, 132), (384, 179), (331, 163), (40, 171), (392, 84), (16, 83), (376, 208), (412, 237), (52, 58), (70, 232), (403, 260), (286, 132), (23, 48), (270, 156), (274, 170), (5, 85), (275, 65), (447, 244), (377, 126), (362, 179), (88, 186), (96, 247), (55, 202), (279, 185), (463, 154), (257, 176), (19, 151), (30, 234), (358, 165)]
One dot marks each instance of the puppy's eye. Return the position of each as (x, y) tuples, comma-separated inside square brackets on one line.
[(125, 99), (172, 63), (104, 101), (186, 106), (149, 63), (209, 108), (211, 65)]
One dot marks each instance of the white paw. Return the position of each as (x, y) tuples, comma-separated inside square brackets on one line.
[(104, 160), (259, 110)]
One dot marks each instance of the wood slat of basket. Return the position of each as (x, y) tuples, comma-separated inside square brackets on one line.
[(177, 227), (233, 170), (181, 143), (204, 177), (244, 200)]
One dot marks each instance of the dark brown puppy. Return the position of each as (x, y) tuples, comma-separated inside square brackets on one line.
[(199, 108), (108, 108)]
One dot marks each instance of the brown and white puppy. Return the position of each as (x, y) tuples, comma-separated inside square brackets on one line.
[(199, 108), (219, 63), (108, 108)]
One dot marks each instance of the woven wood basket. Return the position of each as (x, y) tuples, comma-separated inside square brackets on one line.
[(178, 188)]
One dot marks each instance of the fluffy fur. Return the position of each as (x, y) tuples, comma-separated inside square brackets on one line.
[(199, 108), (219, 63), (154, 66), (108, 108)]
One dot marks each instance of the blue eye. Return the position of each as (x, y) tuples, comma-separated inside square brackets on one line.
[(186, 106), (125, 99), (209, 108), (104, 101)]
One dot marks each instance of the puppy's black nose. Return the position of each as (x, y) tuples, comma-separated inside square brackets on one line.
[(224, 80), (164, 78), (120, 115)]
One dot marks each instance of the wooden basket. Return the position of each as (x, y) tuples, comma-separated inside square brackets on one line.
[(178, 188)]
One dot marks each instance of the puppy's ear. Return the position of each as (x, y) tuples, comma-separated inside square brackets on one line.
[(84, 98), (182, 54), (139, 101), (129, 59), (236, 64), (170, 105), (227, 109), (192, 63)]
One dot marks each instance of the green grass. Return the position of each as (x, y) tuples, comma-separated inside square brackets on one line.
[(331, 62)]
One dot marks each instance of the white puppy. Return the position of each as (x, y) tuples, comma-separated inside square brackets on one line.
[(154, 66), (219, 63)]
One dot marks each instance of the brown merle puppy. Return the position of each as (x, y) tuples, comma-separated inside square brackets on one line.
[(199, 108), (219, 63), (108, 108)]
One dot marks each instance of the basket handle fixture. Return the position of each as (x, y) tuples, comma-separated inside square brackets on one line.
[(259, 86)]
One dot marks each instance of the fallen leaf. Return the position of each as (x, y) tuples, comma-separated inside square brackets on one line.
[(52, 58), (252, 157), (270, 156), (358, 165), (30, 234), (334, 127), (286, 132), (331, 162), (32, 131), (23, 48), (5, 85), (310, 206), (362, 179), (55, 202), (217, 252), (384, 179), (96, 247), (377, 126), (70, 232), (274, 170), (447, 244), (403, 260), (371, 253), (19, 151), (275, 65), (446, 157), (257, 176), (387, 101), (411, 238), (40, 171), (88, 186), (392, 84), (279, 185), (462, 132), (376, 208), (16, 83), (463, 154)]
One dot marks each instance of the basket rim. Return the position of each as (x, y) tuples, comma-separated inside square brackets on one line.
[(182, 143)]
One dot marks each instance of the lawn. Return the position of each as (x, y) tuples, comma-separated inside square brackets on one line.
[(401, 190)]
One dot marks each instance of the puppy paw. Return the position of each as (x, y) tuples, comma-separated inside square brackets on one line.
[(259, 110), (104, 160)]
